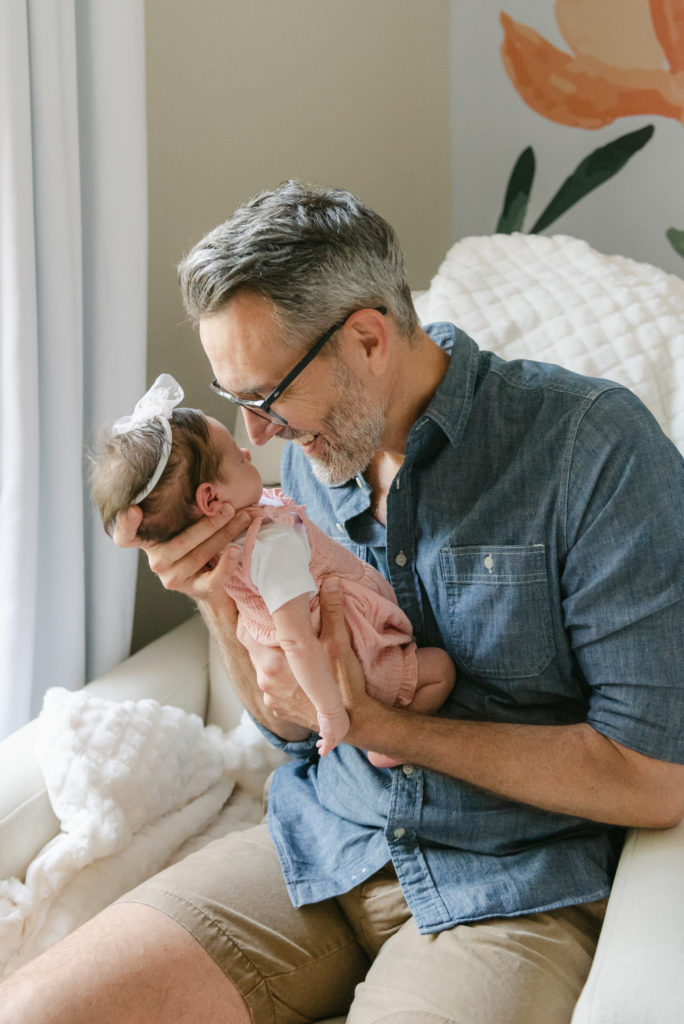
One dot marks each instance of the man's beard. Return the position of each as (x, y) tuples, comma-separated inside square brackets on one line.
[(353, 430)]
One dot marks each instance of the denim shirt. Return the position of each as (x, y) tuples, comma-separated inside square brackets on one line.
[(534, 531)]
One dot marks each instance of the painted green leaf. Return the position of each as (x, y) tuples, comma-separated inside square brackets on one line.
[(676, 240), (596, 168), (517, 194)]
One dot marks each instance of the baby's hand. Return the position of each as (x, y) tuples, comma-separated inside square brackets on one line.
[(333, 728)]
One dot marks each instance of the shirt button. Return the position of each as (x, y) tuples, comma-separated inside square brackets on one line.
[(399, 833), (401, 559), (340, 527), (408, 770)]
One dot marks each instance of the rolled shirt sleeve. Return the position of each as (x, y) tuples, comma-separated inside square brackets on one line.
[(623, 577)]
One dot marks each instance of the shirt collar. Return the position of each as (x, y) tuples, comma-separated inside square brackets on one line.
[(350, 499), (451, 403)]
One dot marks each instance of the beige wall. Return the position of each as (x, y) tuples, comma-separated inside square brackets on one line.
[(242, 94)]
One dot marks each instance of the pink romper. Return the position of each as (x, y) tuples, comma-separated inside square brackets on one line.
[(379, 630)]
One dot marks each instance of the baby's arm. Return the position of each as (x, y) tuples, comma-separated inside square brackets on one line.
[(310, 667)]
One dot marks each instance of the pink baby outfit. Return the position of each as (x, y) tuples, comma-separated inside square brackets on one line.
[(380, 632)]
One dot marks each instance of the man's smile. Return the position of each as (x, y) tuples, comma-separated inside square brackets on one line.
[(305, 440)]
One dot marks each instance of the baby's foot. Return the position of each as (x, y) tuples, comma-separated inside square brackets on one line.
[(333, 728)]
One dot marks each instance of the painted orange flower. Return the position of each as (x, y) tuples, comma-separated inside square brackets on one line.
[(627, 58)]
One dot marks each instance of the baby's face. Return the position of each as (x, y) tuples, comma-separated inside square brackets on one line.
[(240, 483)]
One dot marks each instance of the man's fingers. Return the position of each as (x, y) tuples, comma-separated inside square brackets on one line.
[(205, 584), (227, 563), (126, 528), (181, 559), (345, 666), (197, 539), (295, 707), (333, 627)]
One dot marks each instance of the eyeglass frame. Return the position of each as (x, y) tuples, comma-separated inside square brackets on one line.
[(262, 406)]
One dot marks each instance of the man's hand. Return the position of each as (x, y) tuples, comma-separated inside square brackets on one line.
[(280, 692), (199, 561)]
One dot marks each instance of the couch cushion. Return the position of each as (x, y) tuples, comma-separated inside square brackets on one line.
[(557, 300)]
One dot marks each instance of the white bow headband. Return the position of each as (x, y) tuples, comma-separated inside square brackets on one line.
[(156, 404)]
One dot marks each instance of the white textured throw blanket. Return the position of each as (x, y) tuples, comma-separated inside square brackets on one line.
[(135, 786), (558, 300)]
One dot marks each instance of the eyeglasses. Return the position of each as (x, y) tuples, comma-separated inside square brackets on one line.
[(262, 406)]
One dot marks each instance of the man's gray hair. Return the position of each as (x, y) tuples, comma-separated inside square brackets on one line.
[(316, 254)]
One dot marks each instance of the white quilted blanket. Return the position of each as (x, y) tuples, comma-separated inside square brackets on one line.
[(557, 300), (133, 785)]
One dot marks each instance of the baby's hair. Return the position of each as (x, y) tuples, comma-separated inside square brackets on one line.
[(122, 464)]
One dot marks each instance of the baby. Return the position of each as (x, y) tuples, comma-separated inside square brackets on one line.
[(179, 465)]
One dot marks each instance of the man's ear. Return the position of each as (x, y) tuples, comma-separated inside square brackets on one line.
[(208, 500), (371, 330)]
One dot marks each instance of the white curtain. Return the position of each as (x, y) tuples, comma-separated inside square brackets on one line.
[(73, 261)]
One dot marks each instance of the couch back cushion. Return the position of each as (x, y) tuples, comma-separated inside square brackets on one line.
[(557, 300)]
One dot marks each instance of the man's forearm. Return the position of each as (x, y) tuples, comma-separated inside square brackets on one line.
[(219, 617), (567, 769)]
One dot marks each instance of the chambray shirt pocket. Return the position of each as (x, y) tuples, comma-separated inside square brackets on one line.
[(500, 617)]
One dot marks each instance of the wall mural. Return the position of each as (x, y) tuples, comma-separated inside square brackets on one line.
[(624, 58)]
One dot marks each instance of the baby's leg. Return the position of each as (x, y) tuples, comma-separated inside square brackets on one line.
[(436, 677)]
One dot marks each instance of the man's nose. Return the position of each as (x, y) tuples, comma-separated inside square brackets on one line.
[(260, 430)]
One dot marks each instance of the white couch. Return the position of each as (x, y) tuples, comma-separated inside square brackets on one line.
[(546, 298)]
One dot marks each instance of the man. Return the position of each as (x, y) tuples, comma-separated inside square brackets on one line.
[(530, 521)]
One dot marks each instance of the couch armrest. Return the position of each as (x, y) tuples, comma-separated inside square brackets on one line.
[(173, 670), (636, 974)]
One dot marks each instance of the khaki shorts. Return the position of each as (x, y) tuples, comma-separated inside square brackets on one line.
[(362, 950)]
